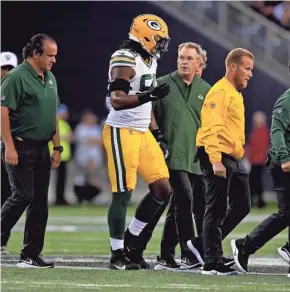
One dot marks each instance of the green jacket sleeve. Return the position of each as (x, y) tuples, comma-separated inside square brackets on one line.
[(280, 123), (10, 92)]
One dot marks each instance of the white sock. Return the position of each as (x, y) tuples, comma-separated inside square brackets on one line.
[(117, 243), (136, 226)]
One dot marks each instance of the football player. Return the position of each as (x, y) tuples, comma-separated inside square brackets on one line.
[(130, 145)]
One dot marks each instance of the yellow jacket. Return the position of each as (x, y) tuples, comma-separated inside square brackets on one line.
[(222, 122), (64, 132)]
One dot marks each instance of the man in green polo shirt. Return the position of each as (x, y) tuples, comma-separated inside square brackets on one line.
[(29, 102), (178, 118), (279, 164)]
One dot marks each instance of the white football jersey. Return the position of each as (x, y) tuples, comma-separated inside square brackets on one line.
[(137, 118)]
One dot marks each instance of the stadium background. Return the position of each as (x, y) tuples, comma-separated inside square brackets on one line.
[(87, 33)]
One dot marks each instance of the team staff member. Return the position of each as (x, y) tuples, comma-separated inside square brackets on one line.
[(8, 61), (221, 139), (65, 134), (178, 117), (280, 171), (29, 122)]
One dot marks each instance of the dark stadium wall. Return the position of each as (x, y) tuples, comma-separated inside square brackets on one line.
[(88, 32)]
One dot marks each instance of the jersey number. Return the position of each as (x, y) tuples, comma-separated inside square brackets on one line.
[(147, 81)]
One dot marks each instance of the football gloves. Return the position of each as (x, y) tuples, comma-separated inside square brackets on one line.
[(158, 135), (155, 93)]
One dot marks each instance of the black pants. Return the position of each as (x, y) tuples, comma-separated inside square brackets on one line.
[(187, 198), (61, 182), (276, 222), (5, 194), (256, 181), (29, 184), (219, 220)]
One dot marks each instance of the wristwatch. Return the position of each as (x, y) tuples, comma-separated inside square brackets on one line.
[(58, 148)]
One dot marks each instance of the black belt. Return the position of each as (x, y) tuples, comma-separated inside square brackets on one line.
[(30, 141), (200, 150)]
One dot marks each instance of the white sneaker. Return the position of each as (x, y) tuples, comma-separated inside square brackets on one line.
[(284, 253), (35, 262)]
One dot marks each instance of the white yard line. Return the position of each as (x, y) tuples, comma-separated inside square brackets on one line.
[(164, 286)]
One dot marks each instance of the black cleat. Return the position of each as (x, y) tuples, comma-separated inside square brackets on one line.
[(166, 264), (219, 269), (136, 257), (132, 250), (119, 261), (144, 265), (34, 262), (284, 252), (241, 258)]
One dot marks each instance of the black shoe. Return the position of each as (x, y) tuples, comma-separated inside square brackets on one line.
[(288, 275), (119, 261), (166, 264), (284, 252), (189, 263), (136, 257), (229, 262), (195, 246), (34, 262), (144, 265), (218, 269), (132, 250), (241, 258)]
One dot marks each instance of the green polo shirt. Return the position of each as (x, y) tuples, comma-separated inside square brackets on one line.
[(32, 103), (178, 116), (280, 130)]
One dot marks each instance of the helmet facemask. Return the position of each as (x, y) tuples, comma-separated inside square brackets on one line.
[(160, 45)]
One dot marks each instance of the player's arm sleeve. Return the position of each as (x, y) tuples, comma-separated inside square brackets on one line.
[(213, 118), (11, 92), (279, 125), (123, 58)]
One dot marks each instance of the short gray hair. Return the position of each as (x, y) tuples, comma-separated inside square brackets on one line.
[(191, 45), (204, 55), (199, 50)]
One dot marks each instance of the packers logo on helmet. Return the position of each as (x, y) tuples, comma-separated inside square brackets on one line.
[(151, 32)]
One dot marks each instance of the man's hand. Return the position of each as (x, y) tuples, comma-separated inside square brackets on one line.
[(158, 135), (159, 91), (155, 93), (164, 149), (219, 169), (286, 166), (11, 156), (55, 159)]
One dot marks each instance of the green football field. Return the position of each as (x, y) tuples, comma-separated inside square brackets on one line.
[(77, 241)]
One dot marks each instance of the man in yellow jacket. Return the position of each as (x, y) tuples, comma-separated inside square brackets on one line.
[(220, 141), (65, 133)]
